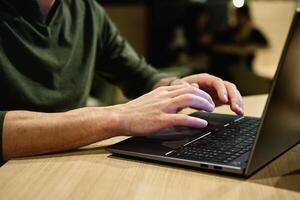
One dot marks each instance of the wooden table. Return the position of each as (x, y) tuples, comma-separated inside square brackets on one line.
[(92, 173)]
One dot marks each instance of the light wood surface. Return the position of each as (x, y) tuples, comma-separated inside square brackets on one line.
[(92, 173)]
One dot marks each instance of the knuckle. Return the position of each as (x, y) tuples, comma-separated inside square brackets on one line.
[(192, 90), (164, 118), (176, 102), (186, 98), (163, 88), (181, 119), (175, 119), (160, 93), (158, 90), (219, 80), (230, 84), (206, 74), (233, 85), (212, 76)]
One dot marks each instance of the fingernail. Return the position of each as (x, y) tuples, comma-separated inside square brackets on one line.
[(204, 123), (213, 104), (240, 109), (211, 107)]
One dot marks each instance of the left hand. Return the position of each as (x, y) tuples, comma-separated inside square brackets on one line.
[(222, 92)]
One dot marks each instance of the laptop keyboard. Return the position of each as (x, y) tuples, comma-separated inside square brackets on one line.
[(222, 146)]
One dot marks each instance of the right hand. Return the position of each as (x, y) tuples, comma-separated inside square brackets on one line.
[(159, 109)]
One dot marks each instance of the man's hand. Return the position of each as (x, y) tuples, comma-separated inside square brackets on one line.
[(221, 92), (29, 133), (158, 109)]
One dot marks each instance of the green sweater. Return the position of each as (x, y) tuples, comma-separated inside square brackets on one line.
[(48, 64)]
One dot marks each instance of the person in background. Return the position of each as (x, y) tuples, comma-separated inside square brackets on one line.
[(235, 44), (196, 30), (49, 52), (191, 43)]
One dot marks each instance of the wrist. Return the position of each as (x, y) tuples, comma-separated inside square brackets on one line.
[(103, 122), (112, 120)]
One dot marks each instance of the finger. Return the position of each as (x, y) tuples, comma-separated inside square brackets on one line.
[(220, 88), (192, 101), (186, 120), (235, 98), (213, 83), (191, 90)]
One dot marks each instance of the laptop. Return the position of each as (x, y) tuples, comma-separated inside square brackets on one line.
[(234, 144)]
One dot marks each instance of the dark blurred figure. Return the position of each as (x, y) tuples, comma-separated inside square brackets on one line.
[(196, 29), (235, 45), (192, 39)]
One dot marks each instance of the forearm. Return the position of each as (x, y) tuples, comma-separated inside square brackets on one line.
[(31, 133)]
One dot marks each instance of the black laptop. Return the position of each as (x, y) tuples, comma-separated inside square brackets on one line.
[(234, 144)]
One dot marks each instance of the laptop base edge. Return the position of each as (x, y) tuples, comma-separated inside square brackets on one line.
[(203, 166)]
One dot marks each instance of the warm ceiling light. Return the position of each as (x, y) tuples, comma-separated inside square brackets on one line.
[(238, 3)]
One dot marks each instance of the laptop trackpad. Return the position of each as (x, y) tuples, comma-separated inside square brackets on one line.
[(176, 137)]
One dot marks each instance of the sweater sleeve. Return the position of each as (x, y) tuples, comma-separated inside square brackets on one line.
[(2, 115), (118, 62)]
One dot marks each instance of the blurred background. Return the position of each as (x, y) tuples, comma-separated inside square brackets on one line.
[(237, 40)]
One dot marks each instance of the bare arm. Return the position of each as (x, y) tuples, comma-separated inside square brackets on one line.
[(30, 133)]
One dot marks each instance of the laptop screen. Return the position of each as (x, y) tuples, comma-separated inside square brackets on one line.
[(280, 128)]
